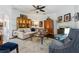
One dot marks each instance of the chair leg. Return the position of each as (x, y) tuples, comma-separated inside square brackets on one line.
[(42, 40), (17, 50)]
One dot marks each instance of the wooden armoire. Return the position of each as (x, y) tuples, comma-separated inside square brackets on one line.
[(49, 26)]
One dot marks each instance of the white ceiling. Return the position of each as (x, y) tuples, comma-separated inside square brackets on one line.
[(49, 8)]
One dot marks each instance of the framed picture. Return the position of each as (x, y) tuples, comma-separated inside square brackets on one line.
[(67, 17), (76, 16), (40, 23), (60, 19)]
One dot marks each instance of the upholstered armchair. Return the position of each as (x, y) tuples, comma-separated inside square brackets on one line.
[(71, 47)]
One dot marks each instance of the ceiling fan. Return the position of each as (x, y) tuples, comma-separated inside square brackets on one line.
[(39, 7)]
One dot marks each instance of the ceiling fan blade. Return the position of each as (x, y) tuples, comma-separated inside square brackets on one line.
[(34, 6), (42, 10), (42, 7)]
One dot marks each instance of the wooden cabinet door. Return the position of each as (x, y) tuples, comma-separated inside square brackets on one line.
[(1, 39), (48, 25)]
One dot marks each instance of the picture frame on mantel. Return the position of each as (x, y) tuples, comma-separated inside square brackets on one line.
[(59, 19), (67, 17), (40, 23)]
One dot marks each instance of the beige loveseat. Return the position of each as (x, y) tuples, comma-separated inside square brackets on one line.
[(24, 33)]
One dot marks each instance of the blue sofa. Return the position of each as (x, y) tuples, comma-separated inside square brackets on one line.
[(70, 47), (8, 47)]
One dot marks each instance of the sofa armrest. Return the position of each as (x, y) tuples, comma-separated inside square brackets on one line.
[(20, 34)]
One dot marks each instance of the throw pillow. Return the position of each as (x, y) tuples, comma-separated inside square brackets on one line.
[(32, 29)]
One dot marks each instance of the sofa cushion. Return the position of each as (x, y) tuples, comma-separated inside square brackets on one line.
[(72, 34), (20, 30), (27, 30), (67, 40)]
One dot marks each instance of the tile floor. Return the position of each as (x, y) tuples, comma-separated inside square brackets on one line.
[(34, 46)]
